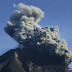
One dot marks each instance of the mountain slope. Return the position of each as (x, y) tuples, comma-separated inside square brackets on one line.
[(11, 63), (29, 60)]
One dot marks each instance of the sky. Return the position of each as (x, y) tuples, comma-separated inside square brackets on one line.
[(57, 13)]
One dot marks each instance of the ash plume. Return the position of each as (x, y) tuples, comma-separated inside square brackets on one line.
[(24, 28)]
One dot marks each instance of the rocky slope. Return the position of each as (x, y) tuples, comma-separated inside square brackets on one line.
[(29, 60)]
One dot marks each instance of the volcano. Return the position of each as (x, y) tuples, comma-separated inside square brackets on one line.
[(30, 60), (40, 48)]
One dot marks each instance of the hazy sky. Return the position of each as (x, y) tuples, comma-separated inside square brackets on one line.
[(57, 12)]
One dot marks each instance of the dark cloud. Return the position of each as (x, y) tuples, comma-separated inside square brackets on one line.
[(23, 27)]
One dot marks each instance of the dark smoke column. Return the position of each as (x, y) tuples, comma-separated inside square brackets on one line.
[(23, 27)]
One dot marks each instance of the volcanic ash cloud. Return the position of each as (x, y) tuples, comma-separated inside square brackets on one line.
[(23, 27)]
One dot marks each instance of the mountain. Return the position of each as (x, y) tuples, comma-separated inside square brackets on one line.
[(30, 60)]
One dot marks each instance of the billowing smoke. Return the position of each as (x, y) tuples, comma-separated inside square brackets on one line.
[(23, 27)]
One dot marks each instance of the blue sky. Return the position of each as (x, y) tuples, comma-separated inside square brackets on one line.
[(57, 12)]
